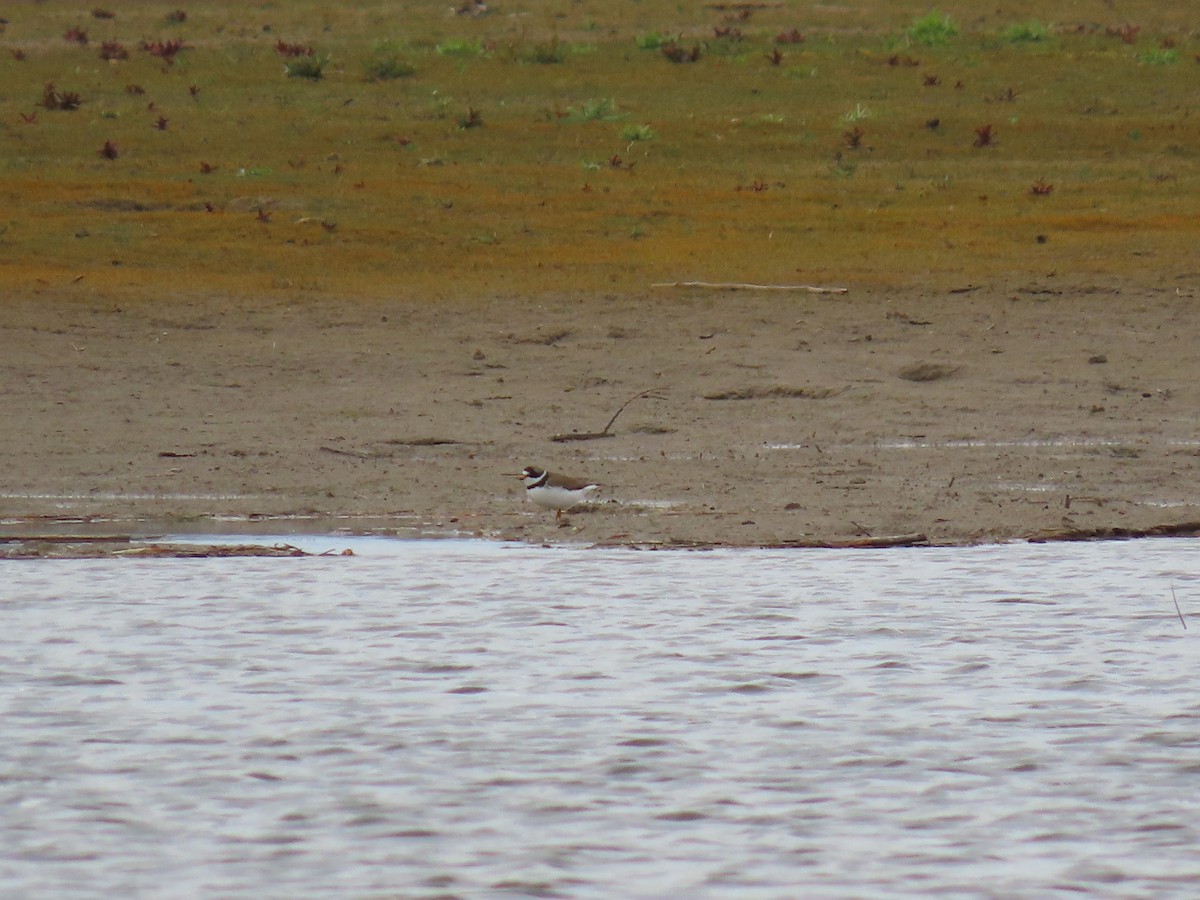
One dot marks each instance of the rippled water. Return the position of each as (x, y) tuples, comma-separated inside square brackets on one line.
[(466, 719)]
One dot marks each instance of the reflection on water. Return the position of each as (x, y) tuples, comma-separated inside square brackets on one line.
[(465, 719)]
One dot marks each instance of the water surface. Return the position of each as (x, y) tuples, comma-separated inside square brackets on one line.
[(471, 719)]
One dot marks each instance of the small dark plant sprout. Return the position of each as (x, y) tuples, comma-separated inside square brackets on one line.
[(310, 67), (18, 54), (677, 54), (207, 169), (472, 118), (1127, 33), (161, 123), (283, 48), (984, 136), (194, 90), (177, 17), (135, 89), (99, 13), (1040, 189), (774, 57), (56, 99), (789, 37), (76, 36), (728, 33), (931, 80), (164, 50), (111, 50), (854, 137), (110, 150)]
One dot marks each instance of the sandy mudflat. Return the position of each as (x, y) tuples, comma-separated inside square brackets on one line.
[(965, 412)]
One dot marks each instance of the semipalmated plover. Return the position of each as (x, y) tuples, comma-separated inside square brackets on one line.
[(549, 490)]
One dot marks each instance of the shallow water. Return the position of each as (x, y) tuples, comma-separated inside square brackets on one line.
[(469, 719)]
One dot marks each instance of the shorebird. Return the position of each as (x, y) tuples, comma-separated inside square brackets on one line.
[(549, 490)]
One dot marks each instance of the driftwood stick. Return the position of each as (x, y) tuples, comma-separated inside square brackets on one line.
[(1116, 533), (357, 454), (607, 432), (638, 396), (67, 539), (742, 286), (884, 541), (580, 436)]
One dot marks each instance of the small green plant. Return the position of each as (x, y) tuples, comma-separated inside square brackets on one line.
[(654, 40), (1026, 32), (595, 110), (1163, 56), (842, 167), (388, 68), (439, 106), (546, 54), (311, 67), (632, 133), (858, 114), (459, 47), (934, 29)]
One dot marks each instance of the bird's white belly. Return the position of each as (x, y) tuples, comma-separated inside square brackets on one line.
[(550, 497)]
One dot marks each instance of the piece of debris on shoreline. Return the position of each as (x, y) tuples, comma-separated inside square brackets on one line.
[(123, 546)]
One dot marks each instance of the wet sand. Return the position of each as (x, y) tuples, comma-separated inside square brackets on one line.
[(961, 412)]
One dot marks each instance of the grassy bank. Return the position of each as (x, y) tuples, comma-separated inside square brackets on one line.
[(554, 145)]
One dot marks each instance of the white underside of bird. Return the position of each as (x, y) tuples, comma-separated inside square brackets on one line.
[(550, 490), (549, 496)]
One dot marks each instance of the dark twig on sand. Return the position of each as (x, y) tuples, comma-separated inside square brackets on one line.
[(744, 286), (607, 430)]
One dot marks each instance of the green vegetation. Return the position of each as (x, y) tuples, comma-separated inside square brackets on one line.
[(553, 51), (654, 40), (312, 67), (389, 68), (1030, 32), (932, 30), (1161, 56), (596, 110), (871, 145), (460, 47)]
